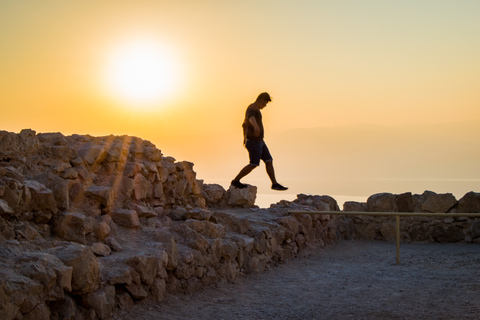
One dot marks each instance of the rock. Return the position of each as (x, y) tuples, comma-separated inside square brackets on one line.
[(137, 291), (147, 267), (405, 202), (86, 275), (113, 244), (142, 188), (469, 203), (388, 231), (440, 203), (105, 195), (92, 153), (63, 309), (126, 218), (199, 214), (145, 212), (102, 301), (5, 209), (448, 234), (242, 197), (382, 202), (159, 289), (48, 270), (211, 230), (71, 226), (178, 213), (213, 193), (355, 206), (100, 249), (42, 198)]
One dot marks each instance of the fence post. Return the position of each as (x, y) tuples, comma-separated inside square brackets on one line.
[(398, 239)]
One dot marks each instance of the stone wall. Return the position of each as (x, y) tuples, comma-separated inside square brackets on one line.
[(428, 228), (90, 225)]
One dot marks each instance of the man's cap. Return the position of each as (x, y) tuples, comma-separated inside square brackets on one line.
[(264, 96)]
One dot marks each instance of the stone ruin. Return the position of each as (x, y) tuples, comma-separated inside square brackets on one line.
[(90, 225)]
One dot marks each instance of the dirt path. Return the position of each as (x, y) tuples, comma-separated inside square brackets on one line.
[(351, 280)]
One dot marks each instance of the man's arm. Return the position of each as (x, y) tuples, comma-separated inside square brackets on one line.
[(256, 127)]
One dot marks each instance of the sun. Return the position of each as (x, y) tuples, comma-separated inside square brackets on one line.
[(142, 73)]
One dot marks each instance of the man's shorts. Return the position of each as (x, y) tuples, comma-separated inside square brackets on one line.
[(258, 150)]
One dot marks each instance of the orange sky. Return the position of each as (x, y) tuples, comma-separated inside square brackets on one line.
[(325, 63)]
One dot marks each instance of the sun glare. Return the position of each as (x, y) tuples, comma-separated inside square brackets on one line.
[(142, 73)]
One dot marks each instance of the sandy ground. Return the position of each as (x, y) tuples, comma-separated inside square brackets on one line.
[(351, 280)]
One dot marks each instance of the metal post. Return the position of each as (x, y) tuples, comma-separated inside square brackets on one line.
[(398, 238)]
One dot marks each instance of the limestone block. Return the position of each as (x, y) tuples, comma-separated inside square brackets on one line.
[(102, 301), (142, 188), (42, 198), (355, 206), (145, 212), (469, 203), (100, 249), (290, 223), (178, 213), (438, 202), (92, 153), (199, 214), (5, 209), (101, 230), (63, 309), (213, 193), (146, 265), (242, 197), (86, 274), (106, 195), (388, 230), (232, 223), (405, 202), (64, 153), (229, 249), (449, 234), (159, 289), (48, 270), (209, 229), (125, 218), (137, 290), (193, 239), (113, 244), (26, 230), (124, 300), (167, 239), (382, 202), (71, 226), (39, 312)]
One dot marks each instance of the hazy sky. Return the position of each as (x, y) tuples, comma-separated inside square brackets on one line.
[(325, 63)]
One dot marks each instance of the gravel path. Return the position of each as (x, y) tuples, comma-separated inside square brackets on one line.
[(351, 280)]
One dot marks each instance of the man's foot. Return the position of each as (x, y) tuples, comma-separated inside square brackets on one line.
[(238, 184), (279, 187)]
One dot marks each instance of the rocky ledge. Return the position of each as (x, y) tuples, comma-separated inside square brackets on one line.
[(90, 225)]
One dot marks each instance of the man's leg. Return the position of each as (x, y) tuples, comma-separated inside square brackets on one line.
[(271, 175), (271, 171), (246, 170)]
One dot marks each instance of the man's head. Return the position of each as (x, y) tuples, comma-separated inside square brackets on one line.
[(264, 96), (262, 100)]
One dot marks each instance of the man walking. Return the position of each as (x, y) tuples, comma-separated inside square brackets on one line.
[(253, 140)]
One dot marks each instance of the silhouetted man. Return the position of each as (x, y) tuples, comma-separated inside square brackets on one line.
[(253, 140)]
